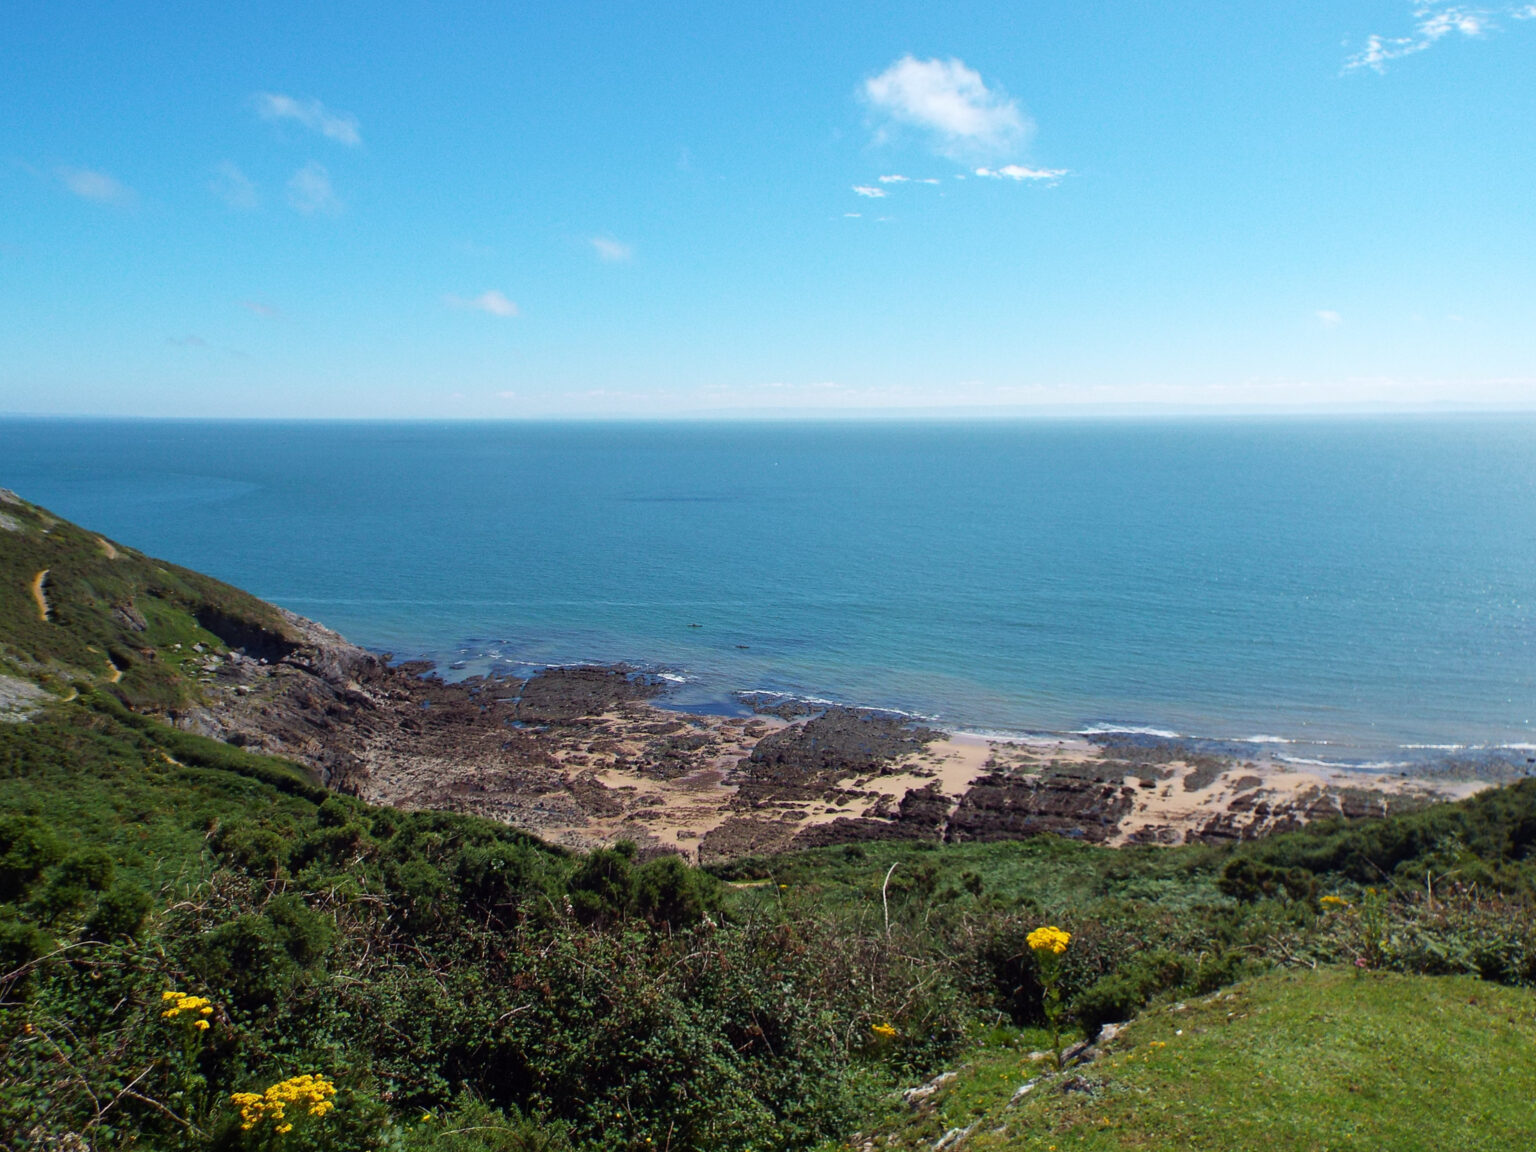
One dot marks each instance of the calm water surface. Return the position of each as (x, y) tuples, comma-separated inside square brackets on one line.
[(1365, 583)]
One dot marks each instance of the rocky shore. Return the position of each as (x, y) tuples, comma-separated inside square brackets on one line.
[(590, 755)]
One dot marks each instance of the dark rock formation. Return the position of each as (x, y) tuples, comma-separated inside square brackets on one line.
[(1004, 807), (802, 761)]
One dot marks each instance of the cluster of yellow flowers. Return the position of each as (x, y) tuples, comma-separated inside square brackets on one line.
[(179, 1002), (310, 1092), (884, 1030), (1334, 901), (1051, 939)]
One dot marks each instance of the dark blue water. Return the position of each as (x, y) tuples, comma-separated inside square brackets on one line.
[(1369, 583)]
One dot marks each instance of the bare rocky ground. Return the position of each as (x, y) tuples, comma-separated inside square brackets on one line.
[(585, 756)]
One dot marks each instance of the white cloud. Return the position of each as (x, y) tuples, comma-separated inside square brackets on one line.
[(869, 190), (310, 191), (490, 301), (1328, 318), (257, 308), (611, 250), (1019, 172), (895, 179), (852, 215), (339, 126), (1432, 23), (950, 103), (234, 187), (89, 184)]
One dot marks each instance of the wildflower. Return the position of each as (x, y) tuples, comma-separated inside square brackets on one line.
[(884, 1031), (1050, 939), (179, 1002), (200, 1025), (1048, 944), (1334, 901), (308, 1092)]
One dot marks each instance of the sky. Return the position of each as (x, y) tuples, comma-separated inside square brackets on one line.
[(461, 210)]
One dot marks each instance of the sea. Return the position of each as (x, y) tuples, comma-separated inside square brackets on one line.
[(1356, 590)]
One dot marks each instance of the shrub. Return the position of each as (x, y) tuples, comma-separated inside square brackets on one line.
[(27, 848), (258, 851), (120, 912), (602, 889)]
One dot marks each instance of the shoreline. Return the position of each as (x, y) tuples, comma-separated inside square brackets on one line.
[(587, 755), (1503, 759), (783, 773)]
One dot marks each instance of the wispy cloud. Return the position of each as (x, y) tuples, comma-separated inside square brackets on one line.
[(897, 178), (339, 126), (235, 188), (950, 104), (1328, 318), (310, 192), (257, 308), (1019, 172), (611, 250), (490, 301), (1432, 23), (870, 190), (89, 184)]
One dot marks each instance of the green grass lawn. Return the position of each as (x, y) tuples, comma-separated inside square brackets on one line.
[(1297, 1060)]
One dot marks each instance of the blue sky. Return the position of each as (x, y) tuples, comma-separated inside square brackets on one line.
[(495, 210)]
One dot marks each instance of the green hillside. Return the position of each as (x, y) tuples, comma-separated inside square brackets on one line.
[(448, 983), (1290, 1062), (73, 603)]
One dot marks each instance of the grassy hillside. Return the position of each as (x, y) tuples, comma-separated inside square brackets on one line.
[(1298, 1060), (74, 604)]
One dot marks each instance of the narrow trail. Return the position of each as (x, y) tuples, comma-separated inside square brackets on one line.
[(106, 547), (40, 596)]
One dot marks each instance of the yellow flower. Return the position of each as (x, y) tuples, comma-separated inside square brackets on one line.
[(884, 1030), (1050, 939), (308, 1091), (1334, 901), (185, 1002), (200, 1025)]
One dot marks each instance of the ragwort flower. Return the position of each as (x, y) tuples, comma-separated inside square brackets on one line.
[(1050, 939)]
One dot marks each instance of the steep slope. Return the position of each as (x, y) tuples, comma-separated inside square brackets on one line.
[(75, 604)]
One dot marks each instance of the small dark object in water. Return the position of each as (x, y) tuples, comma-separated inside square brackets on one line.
[(741, 645)]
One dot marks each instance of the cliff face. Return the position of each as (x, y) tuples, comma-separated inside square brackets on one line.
[(585, 756)]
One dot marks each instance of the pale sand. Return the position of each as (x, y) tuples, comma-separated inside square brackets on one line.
[(679, 813)]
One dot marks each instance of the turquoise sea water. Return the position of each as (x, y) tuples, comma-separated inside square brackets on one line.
[(1357, 585)]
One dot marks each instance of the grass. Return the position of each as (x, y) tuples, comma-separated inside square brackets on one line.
[(115, 616), (1295, 1060), (1046, 871)]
